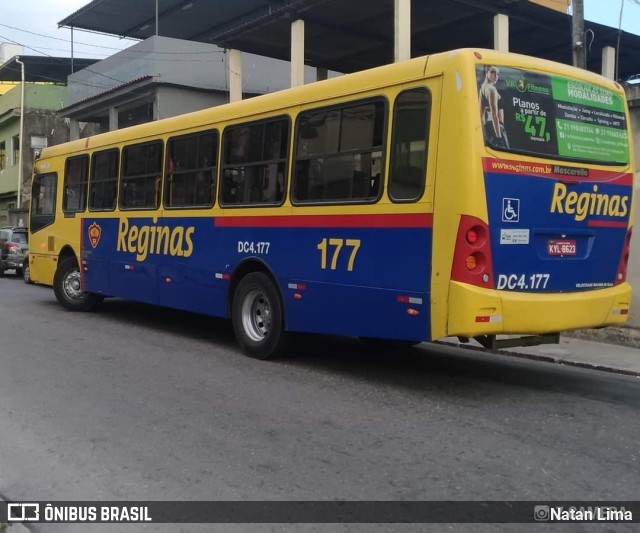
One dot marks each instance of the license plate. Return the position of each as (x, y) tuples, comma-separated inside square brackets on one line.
[(561, 248)]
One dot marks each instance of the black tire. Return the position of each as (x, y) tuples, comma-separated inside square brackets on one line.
[(19, 272), (68, 290), (26, 271), (258, 317)]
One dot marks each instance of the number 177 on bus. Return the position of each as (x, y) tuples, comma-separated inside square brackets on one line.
[(333, 247)]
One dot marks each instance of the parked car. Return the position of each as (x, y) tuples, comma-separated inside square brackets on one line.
[(14, 247)]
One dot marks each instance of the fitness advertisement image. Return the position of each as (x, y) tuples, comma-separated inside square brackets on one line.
[(539, 114)]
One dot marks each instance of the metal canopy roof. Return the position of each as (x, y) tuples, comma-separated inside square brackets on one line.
[(42, 69), (350, 35)]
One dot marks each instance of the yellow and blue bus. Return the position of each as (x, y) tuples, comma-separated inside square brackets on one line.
[(471, 193)]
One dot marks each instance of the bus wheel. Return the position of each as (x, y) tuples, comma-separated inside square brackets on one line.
[(26, 271), (67, 286), (257, 317)]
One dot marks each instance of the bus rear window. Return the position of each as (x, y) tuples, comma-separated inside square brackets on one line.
[(551, 116)]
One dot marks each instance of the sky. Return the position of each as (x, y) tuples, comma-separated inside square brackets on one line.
[(34, 24)]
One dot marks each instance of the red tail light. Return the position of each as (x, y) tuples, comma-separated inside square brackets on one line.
[(11, 247), (472, 257), (621, 275)]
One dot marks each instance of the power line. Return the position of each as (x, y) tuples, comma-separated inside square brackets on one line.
[(60, 38), (49, 55), (88, 69), (110, 47), (57, 80)]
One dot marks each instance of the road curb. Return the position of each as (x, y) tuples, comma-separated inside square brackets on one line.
[(568, 362), (566, 359), (622, 336)]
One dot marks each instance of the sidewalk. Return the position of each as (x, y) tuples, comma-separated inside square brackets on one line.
[(614, 350)]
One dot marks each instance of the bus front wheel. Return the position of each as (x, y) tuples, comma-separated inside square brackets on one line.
[(257, 317), (67, 286)]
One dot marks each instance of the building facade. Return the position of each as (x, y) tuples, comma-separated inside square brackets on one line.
[(162, 77), (42, 127)]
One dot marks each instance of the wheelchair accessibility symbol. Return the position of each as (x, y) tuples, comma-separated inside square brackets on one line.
[(510, 210)]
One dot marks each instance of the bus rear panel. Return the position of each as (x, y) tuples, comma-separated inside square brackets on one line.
[(554, 248)]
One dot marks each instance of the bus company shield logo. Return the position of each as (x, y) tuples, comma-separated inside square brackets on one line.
[(95, 232), (510, 210)]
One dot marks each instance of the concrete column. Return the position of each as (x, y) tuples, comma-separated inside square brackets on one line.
[(609, 62), (402, 30), (321, 74), (113, 118), (501, 33), (297, 53), (234, 64), (74, 130)]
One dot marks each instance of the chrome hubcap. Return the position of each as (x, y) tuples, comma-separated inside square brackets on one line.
[(256, 315), (72, 285)]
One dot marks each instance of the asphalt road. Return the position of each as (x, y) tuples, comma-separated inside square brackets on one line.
[(138, 403)]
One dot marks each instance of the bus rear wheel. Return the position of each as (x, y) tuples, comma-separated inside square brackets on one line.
[(257, 317), (67, 286), (26, 271)]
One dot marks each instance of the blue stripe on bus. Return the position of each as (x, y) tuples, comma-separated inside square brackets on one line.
[(186, 263)]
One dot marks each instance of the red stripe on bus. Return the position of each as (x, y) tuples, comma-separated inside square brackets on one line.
[(606, 224), (422, 220)]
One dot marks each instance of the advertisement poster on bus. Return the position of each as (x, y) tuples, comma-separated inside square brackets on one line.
[(551, 116)]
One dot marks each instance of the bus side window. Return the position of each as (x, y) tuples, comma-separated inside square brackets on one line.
[(141, 170), (339, 153), (76, 175), (190, 170), (104, 180), (43, 201), (255, 163), (409, 145)]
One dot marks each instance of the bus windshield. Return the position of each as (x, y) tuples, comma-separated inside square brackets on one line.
[(551, 116)]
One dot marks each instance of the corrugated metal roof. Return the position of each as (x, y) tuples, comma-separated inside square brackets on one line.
[(112, 90), (352, 35)]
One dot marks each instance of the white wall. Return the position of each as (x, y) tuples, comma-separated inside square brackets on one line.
[(181, 63), (8, 50), (174, 101)]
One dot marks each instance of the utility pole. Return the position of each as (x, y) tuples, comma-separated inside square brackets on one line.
[(21, 140), (577, 24)]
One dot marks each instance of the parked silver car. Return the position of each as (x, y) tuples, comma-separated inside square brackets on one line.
[(14, 247)]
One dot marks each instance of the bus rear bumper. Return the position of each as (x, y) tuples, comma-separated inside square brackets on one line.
[(475, 311)]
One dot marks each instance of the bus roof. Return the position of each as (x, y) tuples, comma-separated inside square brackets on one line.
[(349, 84)]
